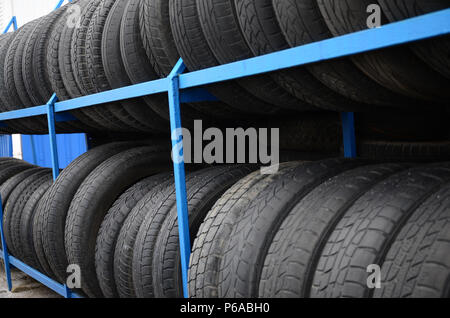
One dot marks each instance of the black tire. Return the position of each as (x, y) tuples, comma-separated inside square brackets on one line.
[(123, 253), (369, 227), (94, 198), (208, 247), (13, 211), (301, 23), (405, 151), (100, 114), (250, 239), (161, 49), (11, 183), (418, 263), (156, 257), (293, 254), (13, 70), (11, 169), (396, 68), (58, 200), (110, 230), (137, 64), (433, 52), (196, 54), (38, 223), (97, 33), (26, 223), (117, 75), (221, 28), (60, 46)]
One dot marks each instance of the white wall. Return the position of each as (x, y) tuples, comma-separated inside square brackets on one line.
[(24, 10)]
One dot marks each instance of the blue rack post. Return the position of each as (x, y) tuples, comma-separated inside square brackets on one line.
[(179, 171), (184, 87), (52, 134), (5, 249)]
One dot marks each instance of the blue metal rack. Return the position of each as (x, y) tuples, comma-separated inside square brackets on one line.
[(182, 88)]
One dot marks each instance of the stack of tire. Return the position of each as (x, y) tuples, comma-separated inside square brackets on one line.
[(312, 229), (92, 46)]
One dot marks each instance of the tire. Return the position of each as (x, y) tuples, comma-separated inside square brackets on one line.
[(368, 229), (100, 114), (196, 54), (94, 198), (97, 33), (209, 244), (26, 223), (433, 52), (116, 74), (110, 230), (11, 72), (161, 50), (33, 69), (417, 264), (12, 169), (10, 184), (38, 223), (13, 211), (396, 68), (405, 151), (156, 257), (301, 23), (225, 39), (138, 66), (19, 220), (59, 198), (123, 253), (294, 252), (250, 239)]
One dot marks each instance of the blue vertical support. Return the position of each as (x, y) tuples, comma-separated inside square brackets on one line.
[(179, 172), (13, 23), (348, 129), (60, 4), (52, 134), (5, 249)]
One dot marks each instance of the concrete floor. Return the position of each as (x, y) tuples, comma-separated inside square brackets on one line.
[(23, 286)]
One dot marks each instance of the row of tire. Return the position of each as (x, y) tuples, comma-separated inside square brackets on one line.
[(95, 45), (313, 229)]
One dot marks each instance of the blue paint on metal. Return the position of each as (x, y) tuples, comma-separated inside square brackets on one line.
[(5, 254), (64, 116), (70, 146), (6, 149), (50, 283), (196, 94), (13, 23), (52, 135), (348, 129), (179, 173)]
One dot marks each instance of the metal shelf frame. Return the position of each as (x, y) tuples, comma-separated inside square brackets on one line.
[(186, 87)]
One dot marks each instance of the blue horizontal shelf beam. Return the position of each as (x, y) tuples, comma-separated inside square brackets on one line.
[(50, 283), (22, 113), (133, 91), (414, 29), (196, 94)]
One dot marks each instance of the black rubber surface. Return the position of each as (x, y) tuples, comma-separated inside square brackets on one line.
[(94, 198), (368, 229), (156, 257), (301, 23), (418, 263), (59, 198), (11, 183), (433, 52), (193, 48), (293, 254), (250, 239), (397, 68), (110, 230)]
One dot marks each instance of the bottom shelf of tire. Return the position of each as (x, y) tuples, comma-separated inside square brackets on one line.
[(311, 229)]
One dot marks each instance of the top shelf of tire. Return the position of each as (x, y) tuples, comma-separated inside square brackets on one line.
[(108, 61)]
